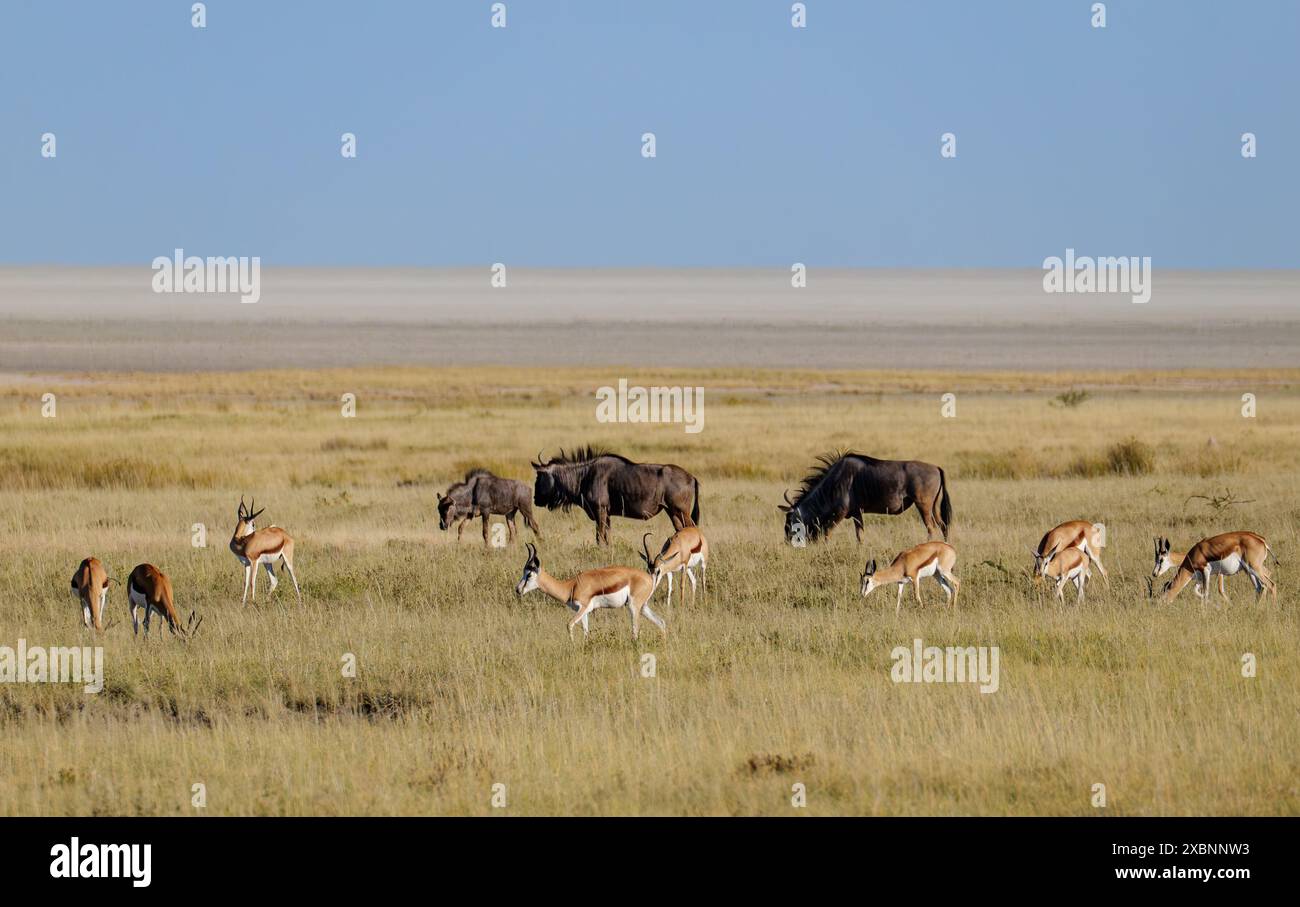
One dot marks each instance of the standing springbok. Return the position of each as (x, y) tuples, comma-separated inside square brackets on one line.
[(1070, 566), (913, 565), (1087, 537), (605, 587), (1168, 559), (685, 549), (90, 587), (150, 589), (255, 546), (1224, 554)]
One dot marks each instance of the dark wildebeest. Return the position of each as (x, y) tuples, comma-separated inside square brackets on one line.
[(851, 484), (605, 485), (481, 494)]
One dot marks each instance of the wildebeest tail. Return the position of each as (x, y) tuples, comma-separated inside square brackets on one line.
[(945, 504), (695, 508)]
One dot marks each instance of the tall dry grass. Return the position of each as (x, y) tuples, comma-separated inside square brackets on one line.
[(779, 675)]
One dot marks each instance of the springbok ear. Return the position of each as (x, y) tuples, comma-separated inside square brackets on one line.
[(1033, 551)]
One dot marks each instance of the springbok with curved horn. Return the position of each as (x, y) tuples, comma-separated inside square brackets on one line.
[(1225, 554), (605, 587), (913, 565), (685, 549), (255, 546), (1087, 537), (90, 587), (150, 590)]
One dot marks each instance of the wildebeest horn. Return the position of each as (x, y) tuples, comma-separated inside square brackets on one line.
[(787, 497), (539, 461)]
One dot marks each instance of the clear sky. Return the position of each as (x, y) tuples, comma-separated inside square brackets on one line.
[(774, 144)]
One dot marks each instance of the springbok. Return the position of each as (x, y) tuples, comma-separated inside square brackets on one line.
[(1224, 554), (1087, 537), (255, 546), (913, 565), (90, 587), (1168, 559), (685, 549), (1070, 566), (605, 587), (148, 588)]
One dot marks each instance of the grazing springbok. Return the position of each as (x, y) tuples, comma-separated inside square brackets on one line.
[(90, 587), (605, 587), (255, 546), (913, 565), (1070, 566), (482, 494), (150, 590), (851, 484), (1224, 554), (606, 484), (1087, 537), (1168, 559), (685, 549)]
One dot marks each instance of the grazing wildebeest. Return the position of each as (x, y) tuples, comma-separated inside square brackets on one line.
[(605, 484), (851, 484), (481, 494)]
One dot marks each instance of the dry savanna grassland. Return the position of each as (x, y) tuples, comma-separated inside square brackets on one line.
[(779, 676)]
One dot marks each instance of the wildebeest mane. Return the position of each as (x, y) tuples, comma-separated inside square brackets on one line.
[(821, 487), (580, 456)]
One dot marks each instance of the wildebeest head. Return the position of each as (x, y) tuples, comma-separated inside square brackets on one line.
[(551, 483), (447, 511), (796, 530), (532, 567)]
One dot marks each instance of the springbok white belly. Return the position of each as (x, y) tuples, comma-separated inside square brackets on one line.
[(928, 570), (1228, 566), (616, 599)]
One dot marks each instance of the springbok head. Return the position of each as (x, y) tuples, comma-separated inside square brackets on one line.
[(668, 559), (532, 567), (869, 577), (246, 515), (1163, 560)]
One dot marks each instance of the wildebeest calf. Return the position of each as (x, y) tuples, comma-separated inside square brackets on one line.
[(481, 494)]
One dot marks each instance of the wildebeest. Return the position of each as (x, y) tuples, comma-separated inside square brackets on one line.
[(481, 494), (851, 484), (605, 484)]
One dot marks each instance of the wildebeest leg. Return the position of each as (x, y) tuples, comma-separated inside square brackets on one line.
[(857, 525), (926, 511), (678, 518), (530, 522), (460, 527), (510, 522), (485, 528), (602, 525)]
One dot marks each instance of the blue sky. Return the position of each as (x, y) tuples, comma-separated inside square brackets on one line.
[(774, 144)]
